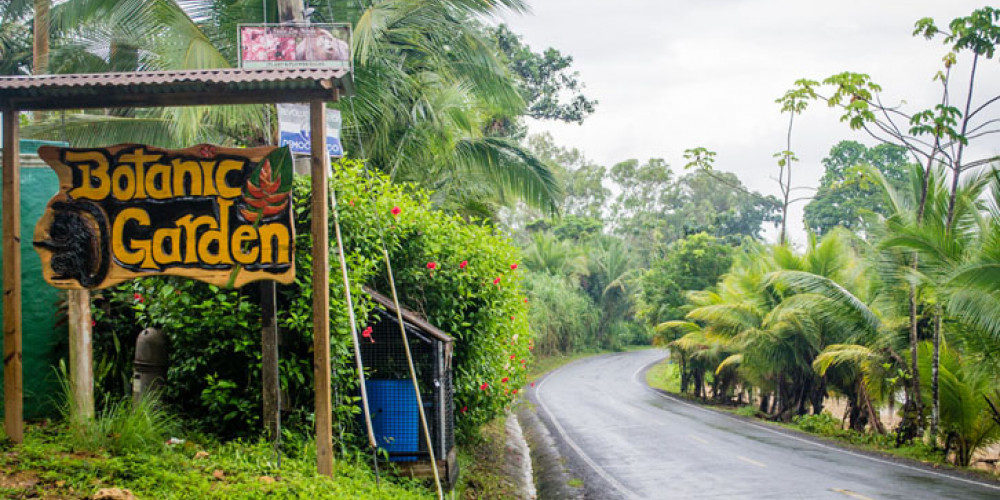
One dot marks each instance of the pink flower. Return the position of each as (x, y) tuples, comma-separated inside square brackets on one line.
[(513, 267), (431, 265), (395, 211), (505, 379), (485, 386), (532, 384), (367, 333), (463, 264), (137, 297)]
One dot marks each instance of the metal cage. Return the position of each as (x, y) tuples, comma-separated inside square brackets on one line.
[(391, 398)]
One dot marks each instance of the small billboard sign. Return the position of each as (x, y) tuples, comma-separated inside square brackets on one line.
[(293, 125), (295, 46)]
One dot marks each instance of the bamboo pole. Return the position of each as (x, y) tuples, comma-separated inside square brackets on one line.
[(13, 384), (321, 288)]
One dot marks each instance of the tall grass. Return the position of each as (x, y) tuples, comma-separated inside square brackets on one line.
[(121, 427)]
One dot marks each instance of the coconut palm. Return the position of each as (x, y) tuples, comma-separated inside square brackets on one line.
[(429, 86)]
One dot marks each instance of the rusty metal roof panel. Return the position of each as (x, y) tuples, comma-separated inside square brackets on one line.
[(409, 316), (55, 90)]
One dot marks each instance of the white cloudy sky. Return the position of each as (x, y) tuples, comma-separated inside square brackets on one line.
[(672, 75)]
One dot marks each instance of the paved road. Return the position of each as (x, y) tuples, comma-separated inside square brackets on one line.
[(626, 440)]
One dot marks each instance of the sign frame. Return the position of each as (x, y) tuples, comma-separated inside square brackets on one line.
[(269, 45)]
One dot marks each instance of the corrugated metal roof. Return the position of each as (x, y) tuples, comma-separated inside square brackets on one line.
[(409, 316), (109, 89)]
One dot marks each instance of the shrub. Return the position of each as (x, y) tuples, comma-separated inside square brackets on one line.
[(823, 424), (214, 375)]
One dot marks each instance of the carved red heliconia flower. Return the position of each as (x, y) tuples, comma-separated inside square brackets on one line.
[(207, 151), (263, 199)]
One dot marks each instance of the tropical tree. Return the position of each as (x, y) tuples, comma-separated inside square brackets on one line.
[(429, 84)]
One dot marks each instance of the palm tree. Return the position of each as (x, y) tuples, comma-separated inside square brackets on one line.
[(428, 81)]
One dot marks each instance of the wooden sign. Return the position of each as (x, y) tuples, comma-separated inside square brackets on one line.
[(219, 215)]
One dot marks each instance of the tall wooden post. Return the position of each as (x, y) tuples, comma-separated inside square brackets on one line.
[(321, 288), (13, 384), (81, 356), (269, 359)]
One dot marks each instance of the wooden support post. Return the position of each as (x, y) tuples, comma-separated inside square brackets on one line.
[(13, 384), (81, 356), (269, 359), (321, 288)]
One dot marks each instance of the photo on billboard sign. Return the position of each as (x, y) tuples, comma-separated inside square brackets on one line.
[(293, 46)]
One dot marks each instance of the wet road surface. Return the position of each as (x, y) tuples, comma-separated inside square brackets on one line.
[(626, 440)]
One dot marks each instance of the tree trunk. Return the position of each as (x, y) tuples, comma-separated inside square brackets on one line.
[(40, 59), (914, 368), (935, 370)]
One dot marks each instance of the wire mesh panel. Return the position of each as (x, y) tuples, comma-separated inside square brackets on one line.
[(392, 402)]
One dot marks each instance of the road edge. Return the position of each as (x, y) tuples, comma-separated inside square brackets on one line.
[(955, 474)]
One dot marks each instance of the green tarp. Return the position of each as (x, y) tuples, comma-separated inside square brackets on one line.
[(43, 341)]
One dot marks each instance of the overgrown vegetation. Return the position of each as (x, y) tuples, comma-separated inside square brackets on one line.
[(50, 464), (473, 292)]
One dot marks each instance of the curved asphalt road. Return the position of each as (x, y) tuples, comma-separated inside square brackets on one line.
[(626, 440)]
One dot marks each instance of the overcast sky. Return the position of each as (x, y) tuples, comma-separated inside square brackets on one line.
[(672, 75)]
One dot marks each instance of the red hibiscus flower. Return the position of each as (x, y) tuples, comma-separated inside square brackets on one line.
[(465, 409), (367, 333), (431, 265), (138, 297), (463, 264), (514, 391), (395, 211), (485, 386), (496, 281), (505, 379), (513, 267)]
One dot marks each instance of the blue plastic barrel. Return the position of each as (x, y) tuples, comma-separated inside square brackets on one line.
[(395, 420)]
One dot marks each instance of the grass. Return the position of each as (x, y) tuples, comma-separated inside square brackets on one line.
[(482, 475), (56, 468), (665, 376), (575, 482)]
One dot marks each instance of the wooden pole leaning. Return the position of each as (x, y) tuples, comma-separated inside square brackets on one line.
[(321, 288), (13, 384)]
